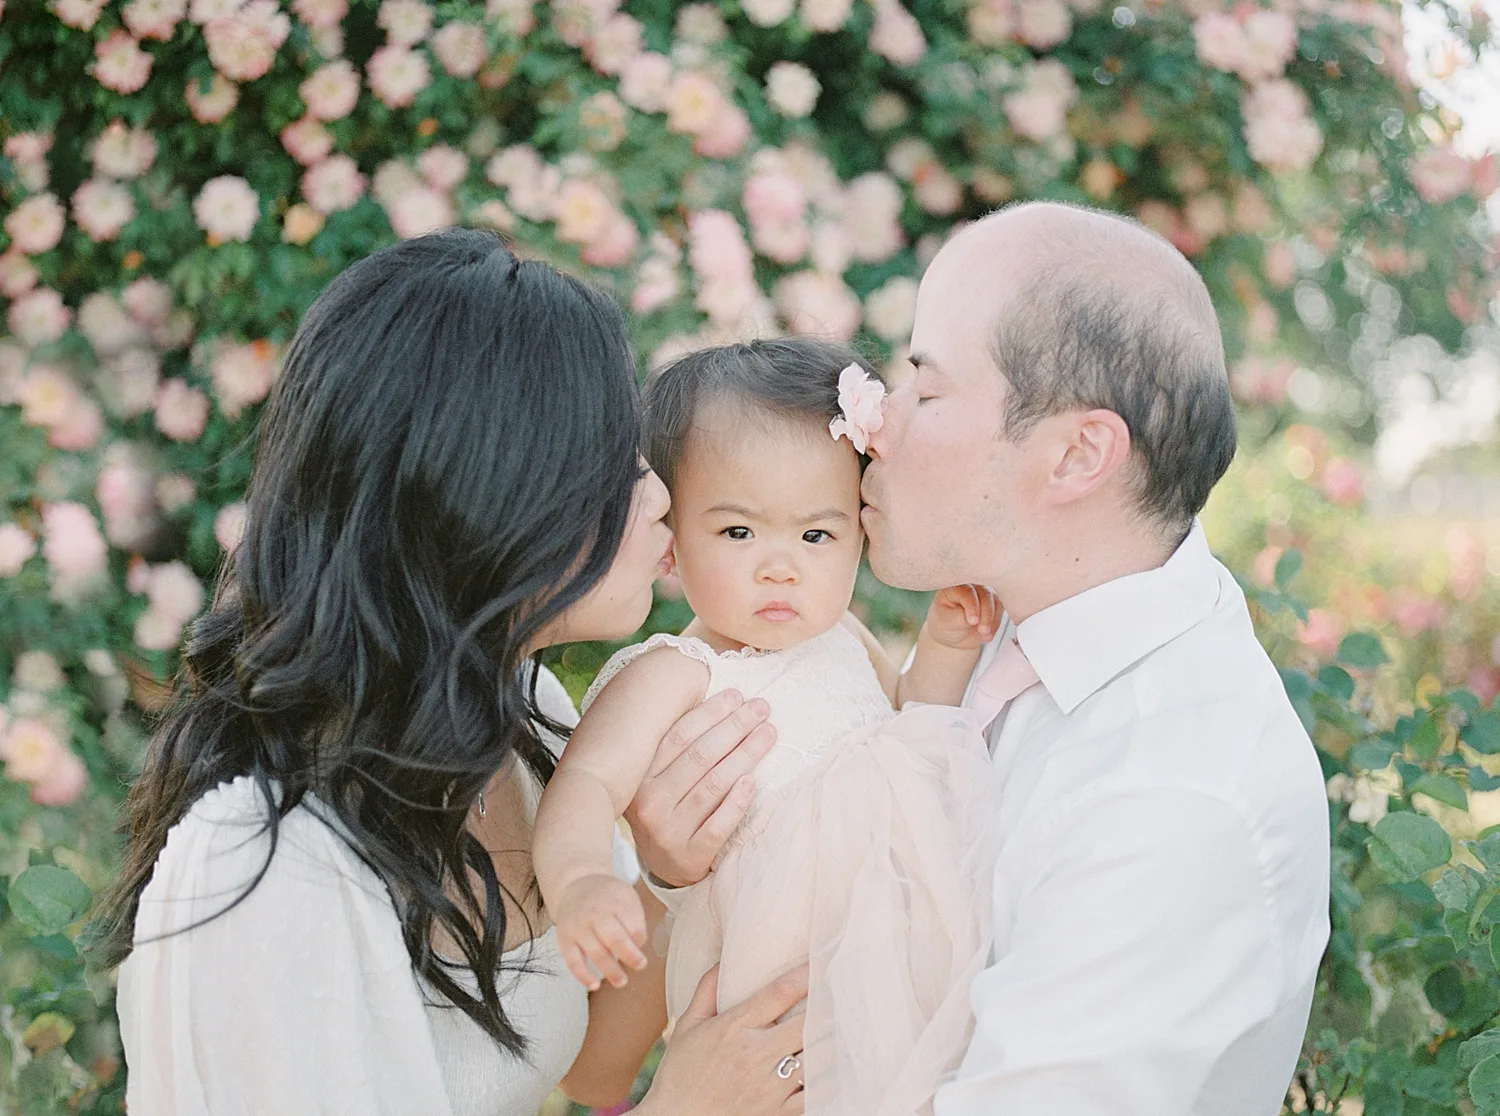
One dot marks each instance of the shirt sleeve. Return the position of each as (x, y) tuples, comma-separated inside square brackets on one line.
[(1140, 949), (300, 1000)]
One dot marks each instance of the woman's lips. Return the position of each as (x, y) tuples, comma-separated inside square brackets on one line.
[(668, 561), (777, 612)]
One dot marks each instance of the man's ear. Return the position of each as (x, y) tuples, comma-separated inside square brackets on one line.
[(1090, 448)]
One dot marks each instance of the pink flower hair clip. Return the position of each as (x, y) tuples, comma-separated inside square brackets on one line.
[(862, 399)]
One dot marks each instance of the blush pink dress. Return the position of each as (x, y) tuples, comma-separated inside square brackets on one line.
[(869, 852)]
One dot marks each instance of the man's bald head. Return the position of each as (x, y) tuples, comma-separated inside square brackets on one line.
[(1091, 310)]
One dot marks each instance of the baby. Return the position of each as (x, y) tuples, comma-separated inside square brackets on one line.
[(868, 847)]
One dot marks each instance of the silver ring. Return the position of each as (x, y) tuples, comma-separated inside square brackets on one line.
[(788, 1066)]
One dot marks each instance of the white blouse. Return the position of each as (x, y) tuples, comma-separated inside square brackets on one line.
[(302, 999)]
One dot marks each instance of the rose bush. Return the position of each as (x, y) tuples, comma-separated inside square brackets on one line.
[(179, 178)]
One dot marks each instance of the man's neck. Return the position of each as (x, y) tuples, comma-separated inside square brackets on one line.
[(1063, 569)]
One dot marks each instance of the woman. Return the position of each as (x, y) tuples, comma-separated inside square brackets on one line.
[(327, 903)]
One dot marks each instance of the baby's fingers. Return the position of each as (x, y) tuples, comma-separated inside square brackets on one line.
[(602, 957), (577, 963), (618, 938)]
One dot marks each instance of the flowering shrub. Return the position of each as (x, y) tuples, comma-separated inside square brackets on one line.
[(181, 177)]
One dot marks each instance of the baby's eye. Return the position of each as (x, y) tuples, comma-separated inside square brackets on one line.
[(738, 534), (816, 536)]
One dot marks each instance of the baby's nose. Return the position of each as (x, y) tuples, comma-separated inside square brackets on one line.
[(778, 571)]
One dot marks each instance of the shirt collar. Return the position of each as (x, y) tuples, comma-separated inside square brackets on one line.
[(1080, 644)]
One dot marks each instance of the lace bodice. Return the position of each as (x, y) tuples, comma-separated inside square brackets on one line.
[(821, 692)]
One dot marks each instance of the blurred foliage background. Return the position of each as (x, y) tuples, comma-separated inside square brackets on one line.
[(180, 178)]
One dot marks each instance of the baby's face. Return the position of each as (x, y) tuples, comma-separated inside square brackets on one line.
[(766, 514)]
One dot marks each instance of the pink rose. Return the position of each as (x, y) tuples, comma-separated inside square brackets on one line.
[(862, 401), (102, 208), (773, 197), (126, 492), (768, 13), (405, 22), (175, 492), (1039, 109), (1322, 633), (694, 103), (717, 248), (79, 14), (17, 273), (129, 382), (1270, 43), (726, 135), (229, 524), (34, 753), (48, 396), (153, 19), (1280, 265), (397, 74), (1220, 41), (106, 325), (872, 217), (181, 411), (38, 317), (1440, 174), (16, 548), (120, 64), (216, 102), (610, 49), (73, 548), (333, 185), (583, 211), (1207, 216), (656, 284), (243, 374), (602, 118), (300, 223), (1415, 613), (1043, 24), (36, 225), (1278, 131), (1343, 482), (321, 15), (825, 15), (818, 304), (615, 244), (646, 82), (227, 208), (419, 211), (148, 300), (992, 23), (460, 48), (307, 140), (443, 167), (892, 308), (515, 17), (393, 178), (331, 91), (1252, 213), (792, 89), (122, 152), (243, 46)]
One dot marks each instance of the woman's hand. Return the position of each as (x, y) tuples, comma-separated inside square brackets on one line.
[(732, 1064), (699, 786)]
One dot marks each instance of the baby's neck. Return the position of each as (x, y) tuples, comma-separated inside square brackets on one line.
[(717, 640)]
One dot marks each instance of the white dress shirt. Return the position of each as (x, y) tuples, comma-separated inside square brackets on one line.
[(1161, 896)]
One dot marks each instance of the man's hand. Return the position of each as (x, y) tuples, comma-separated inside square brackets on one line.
[(699, 786), (600, 922), (964, 617)]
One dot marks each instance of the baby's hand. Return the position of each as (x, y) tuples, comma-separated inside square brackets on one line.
[(964, 617), (600, 921)]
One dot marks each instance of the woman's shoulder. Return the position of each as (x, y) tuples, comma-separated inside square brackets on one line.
[(224, 844)]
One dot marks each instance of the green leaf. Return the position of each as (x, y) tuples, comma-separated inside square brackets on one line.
[(1287, 567), (1407, 844), (48, 899), (1425, 738), (1430, 1083), (1455, 889), (1445, 990), (1487, 849), (1337, 682), (1484, 1086), (1478, 1048), (1372, 755), (1383, 1099), (1482, 780), (1362, 650), (1482, 733), (1445, 788)]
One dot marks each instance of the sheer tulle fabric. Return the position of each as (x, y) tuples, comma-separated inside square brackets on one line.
[(873, 861)]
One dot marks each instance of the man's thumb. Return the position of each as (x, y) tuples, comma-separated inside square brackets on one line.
[(705, 1001)]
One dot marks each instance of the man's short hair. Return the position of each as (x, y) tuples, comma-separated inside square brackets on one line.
[(1069, 344)]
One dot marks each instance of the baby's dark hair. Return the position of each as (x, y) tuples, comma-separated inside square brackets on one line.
[(788, 377)]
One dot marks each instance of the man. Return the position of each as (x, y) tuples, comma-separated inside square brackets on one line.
[(1161, 893)]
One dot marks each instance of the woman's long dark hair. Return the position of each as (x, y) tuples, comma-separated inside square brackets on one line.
[(446, 464)]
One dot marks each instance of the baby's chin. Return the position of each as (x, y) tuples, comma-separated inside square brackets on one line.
[(770, 635)]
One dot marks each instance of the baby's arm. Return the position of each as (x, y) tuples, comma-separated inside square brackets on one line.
[(599, 918), (960, 621)]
